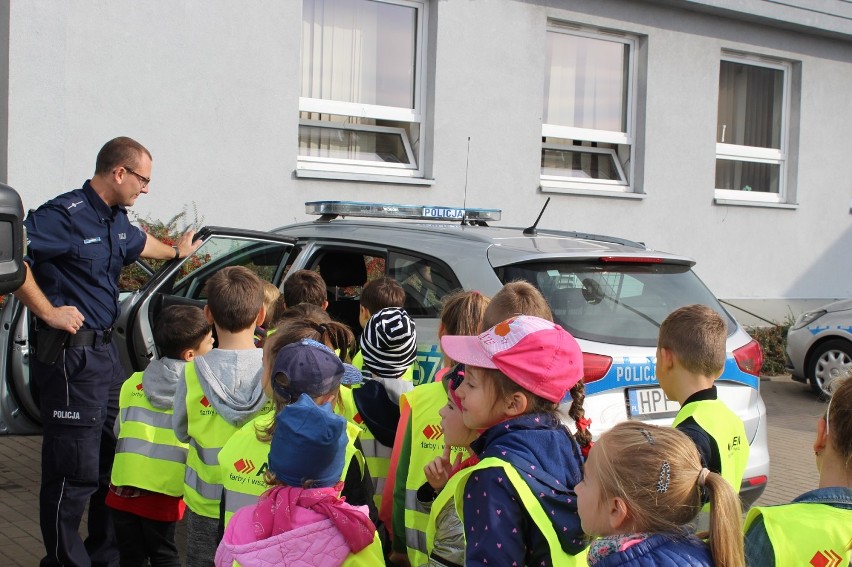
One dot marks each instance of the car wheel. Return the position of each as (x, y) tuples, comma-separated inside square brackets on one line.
[(831, 360)]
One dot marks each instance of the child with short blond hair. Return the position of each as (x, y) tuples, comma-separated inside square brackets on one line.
[(691, 354)]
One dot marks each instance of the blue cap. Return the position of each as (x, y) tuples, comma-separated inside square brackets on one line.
[(309, 444), (312, 368)]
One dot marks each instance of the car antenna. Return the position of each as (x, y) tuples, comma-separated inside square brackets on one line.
[(531, 231), (466, 169)]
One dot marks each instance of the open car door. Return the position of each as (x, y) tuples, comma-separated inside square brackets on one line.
[(183, 282), (179, 281)]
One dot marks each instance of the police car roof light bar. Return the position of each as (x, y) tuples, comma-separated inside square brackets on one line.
[(329, 210)]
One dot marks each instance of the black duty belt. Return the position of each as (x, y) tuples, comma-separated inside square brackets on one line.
[(89, 337)]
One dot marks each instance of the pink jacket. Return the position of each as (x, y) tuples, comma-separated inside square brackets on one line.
[(315, 542)]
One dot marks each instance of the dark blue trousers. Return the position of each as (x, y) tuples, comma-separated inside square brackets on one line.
[(79, 404)]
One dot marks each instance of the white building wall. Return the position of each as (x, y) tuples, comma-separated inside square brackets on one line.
[(211, 88)]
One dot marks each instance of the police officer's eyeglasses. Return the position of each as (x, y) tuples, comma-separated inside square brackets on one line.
[(145, 180)]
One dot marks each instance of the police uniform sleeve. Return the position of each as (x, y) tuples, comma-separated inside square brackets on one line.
[(136, 239), (48, 233)]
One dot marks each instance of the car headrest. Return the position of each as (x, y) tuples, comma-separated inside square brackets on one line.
[(343, 269)]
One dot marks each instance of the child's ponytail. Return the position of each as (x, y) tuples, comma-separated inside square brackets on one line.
[(726, 523), (576, 412)]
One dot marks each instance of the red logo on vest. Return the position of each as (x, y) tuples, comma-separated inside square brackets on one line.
[(826, 558), (358, 419), (433, 432), (139, 386), (244, 466), (205, 402)]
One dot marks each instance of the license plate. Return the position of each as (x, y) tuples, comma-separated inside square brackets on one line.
[(650, 402)]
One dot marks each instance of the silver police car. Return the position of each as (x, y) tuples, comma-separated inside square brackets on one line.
[(610, 293), (819, 346)]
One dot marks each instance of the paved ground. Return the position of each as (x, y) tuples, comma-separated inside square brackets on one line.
[(791, 407)]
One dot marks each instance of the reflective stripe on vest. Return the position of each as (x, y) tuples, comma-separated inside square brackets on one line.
[(148, 455), (427, 442), (531, 504), (727, 430), (244, 460), (806, 533), (208, 432), (377, 457)]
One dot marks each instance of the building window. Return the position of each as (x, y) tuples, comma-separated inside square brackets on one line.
[(751, 129), (360, 108), (587, 127)]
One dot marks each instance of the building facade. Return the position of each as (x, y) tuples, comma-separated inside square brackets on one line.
[(710, 128)]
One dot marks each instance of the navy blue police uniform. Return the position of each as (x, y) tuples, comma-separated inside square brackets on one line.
[(77, 248)]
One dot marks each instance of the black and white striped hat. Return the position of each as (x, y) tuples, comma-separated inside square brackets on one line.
[(389, 343)]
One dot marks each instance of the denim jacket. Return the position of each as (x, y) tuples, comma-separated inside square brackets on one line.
[(758, 547)]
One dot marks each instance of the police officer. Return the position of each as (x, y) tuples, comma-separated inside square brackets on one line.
[(78, 243)]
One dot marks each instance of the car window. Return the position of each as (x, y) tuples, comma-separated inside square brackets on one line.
[(425, 282), (266, 259), (615, 303)]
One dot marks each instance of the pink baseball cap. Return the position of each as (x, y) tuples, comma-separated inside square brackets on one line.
[(536, 354)]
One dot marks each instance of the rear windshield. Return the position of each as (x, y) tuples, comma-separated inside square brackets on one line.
[(614, 303)]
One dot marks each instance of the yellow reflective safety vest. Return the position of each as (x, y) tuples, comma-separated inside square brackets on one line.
[(370, 556), (208, 433), (377, 457), (345, 405), (244, 460), (427, 442), (714, 417), (807, 533), (148, 455), (531, 504)]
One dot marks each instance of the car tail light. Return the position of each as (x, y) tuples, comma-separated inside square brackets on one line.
[(595, 366), (750, 358), (632, 259), (754, 481)]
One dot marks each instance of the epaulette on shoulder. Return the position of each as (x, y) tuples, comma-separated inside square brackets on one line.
[(71, 202)]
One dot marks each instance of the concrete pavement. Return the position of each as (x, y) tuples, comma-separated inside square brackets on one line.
[(791, 408)]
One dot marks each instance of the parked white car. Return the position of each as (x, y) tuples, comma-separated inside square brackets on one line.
[(819, 346)]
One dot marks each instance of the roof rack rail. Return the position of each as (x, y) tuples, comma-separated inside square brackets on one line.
[(329, 210)]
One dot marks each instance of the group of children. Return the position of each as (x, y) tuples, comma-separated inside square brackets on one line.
[(290, 455)]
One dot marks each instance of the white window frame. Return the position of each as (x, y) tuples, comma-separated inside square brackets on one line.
[(556, 183), (609, 183), (752, 154), (340, 164), (357, 110)]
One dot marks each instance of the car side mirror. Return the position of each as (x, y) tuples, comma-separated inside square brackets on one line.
[(12, 270)]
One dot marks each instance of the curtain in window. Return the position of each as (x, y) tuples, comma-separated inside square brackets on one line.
[(750, 105), (586, 83), (749, 114), (359, 51)]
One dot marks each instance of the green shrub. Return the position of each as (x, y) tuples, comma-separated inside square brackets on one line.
[(133, 276), (773, 341)]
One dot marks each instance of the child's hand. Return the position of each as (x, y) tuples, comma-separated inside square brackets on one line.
[(439, 470)]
